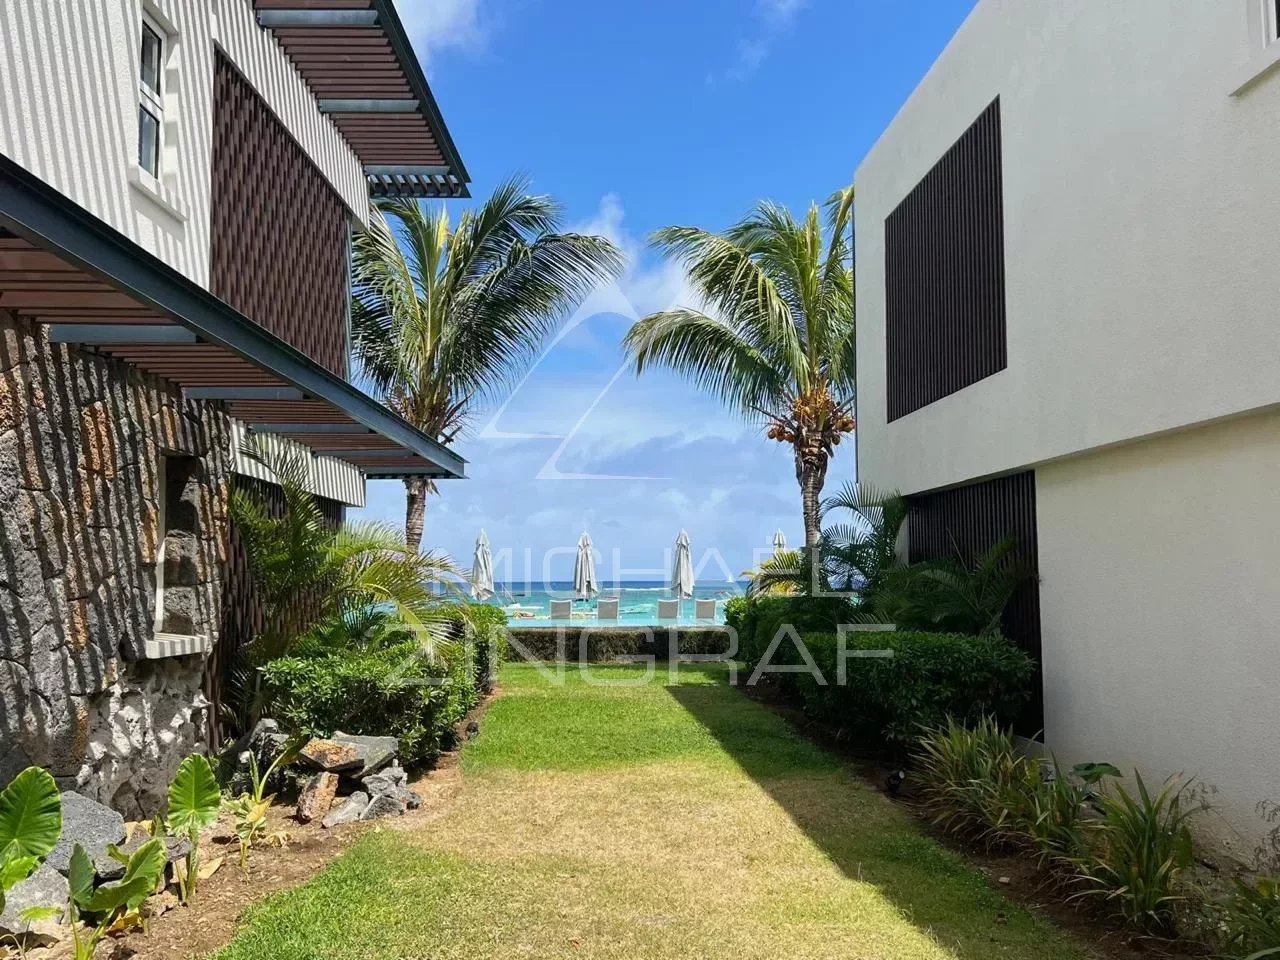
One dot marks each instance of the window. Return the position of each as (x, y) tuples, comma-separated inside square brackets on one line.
[(944, 274), (151, 99), (1273, 21)]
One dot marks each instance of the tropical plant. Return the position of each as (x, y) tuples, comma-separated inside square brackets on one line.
[(30, 824), (443, 316), (249, 810), (773, 336), (1055, 817), (952, 594), (114, 904), (854, 555), (317, 583), (1251, 915), (1140, 847), (194, 801)]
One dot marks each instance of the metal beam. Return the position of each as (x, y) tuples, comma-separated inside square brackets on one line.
[(244, 393), (405, 170), (376, 473), (102, 334), (376, 452), (38, 213), (368, 106), (318, 428), (317, 18)]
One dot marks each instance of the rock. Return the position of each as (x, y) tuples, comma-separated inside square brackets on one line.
[(410, 799), (317, 797), (351, 810), (383, 806), (108, 867), (376, 752), (44, 888), (332, 756), (87, 823), (380, 785), (397, 774)]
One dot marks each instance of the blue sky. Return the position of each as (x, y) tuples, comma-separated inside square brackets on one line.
[(637, 114)]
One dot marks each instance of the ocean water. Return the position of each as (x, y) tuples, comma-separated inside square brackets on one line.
[(529, 605)]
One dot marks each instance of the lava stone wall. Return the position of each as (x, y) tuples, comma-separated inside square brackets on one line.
[(80, 440)]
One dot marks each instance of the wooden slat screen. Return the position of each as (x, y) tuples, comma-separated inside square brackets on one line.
[(279, 231), (944, 274), (970, 520)]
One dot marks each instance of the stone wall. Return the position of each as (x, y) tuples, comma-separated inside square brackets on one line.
[(81, 438)]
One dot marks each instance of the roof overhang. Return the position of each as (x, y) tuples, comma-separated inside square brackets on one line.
[(62, 267), (359, 63)]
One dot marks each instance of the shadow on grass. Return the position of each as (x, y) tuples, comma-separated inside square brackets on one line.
[(862, 834)]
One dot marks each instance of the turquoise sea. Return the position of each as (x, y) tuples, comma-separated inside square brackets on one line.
[(530, 604)]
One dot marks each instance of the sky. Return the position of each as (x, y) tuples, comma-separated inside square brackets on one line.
[(638, 114)]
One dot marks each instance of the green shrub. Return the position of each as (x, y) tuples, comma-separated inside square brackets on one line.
[(1251, 916), (929, 679), (1139, 850), (392, 692), (760, 618), (974, 781), (611, 643), (487, 639)]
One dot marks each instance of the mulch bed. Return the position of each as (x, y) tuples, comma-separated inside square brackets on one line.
[(185, 932)]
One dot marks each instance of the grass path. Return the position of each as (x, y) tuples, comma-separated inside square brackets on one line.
[(647, 821)]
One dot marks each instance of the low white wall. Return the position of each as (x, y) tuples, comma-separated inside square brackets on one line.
[(1160, 609)]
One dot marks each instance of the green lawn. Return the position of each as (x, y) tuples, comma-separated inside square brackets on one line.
[(647, 821)]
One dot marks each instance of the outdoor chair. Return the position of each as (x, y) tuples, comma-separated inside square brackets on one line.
[(668, 609), (705, 609), (561, 609), (607, 609)]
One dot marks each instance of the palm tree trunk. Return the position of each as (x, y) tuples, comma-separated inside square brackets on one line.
[(415, 511), (811, 474)]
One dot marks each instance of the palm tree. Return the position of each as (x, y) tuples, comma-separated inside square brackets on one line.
[(445, 316), (774, 334)]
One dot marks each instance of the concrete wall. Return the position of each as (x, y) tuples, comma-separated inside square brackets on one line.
[(1140, 233), (1161, 617), (69, 74), (81, 438), (1140, 151)]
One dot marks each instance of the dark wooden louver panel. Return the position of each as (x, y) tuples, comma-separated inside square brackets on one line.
[(970, 520), (944, 274), (279, 231)]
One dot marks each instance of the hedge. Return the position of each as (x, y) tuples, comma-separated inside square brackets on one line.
[(610, 643), (389, 691), (884, 700), (929, 678)]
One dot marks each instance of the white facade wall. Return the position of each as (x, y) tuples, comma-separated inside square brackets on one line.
[(69, 74), (1140, 156), (1140, 231), (1161, 616)]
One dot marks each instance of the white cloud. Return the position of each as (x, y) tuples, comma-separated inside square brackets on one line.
[(436, 25), (770, 19)]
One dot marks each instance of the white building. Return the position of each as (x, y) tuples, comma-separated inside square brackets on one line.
[(1068, 330)]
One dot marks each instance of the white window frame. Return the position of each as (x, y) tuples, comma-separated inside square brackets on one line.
[(1271, 20), (162, 529), (152, 101)]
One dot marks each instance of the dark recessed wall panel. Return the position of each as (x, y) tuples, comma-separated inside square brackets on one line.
[(279, 231), (944, 274), (970, 520)]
